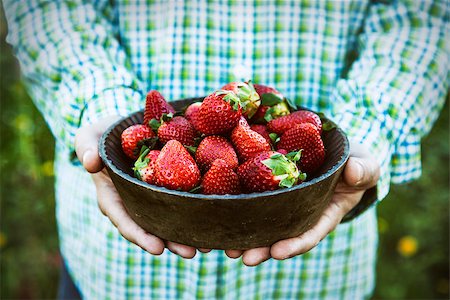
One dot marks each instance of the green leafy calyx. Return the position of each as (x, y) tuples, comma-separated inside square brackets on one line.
[(270, 99), (141, 162), (155, 124), (231, 98), (276, 111), (294, 155), (249, 98), (191, 149), (327, 125), (274, 137), (283, 170)]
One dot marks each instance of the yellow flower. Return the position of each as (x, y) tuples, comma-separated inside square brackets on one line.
[(407, 246)]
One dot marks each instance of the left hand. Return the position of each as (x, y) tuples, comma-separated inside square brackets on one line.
[(360, 173)]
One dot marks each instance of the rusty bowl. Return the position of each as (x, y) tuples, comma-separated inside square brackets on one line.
[(222, 221)]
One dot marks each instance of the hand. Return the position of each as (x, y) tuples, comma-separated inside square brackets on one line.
[(109, 201), (360, 173)]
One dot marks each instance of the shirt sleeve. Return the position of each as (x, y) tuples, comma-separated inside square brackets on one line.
[(394, 91), (72, 63)]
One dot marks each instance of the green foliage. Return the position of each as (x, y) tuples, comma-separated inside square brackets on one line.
[(413, 220), (414, 227), (28, 238)]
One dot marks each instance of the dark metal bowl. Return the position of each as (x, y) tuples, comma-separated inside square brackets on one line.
[(222, 221)]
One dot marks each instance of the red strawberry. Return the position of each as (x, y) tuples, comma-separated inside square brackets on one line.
[(144, 167), (264, 89), (249, 97), (282, 151), (178, 129), (281, 124), (156, 106), (268, 171), (191, 113), (134, 137), (220, 179), (175, 168), (247, 142), (214, 147), (219, 113), (305, 137), (273, 104), (262, 130)]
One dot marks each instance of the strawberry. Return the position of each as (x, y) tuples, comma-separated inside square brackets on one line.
[(305, 137), (282, 151), (247, 142), (273, 104), (134, 137), (249, 97), (191, 114), (264, 89), (156, 106), (214, 147), (175, 168), (144, 167), (268, 171), (220, 179), (178, 129), (262, 130), (219, 113), (281, 124)]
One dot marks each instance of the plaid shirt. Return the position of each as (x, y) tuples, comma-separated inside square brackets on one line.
[(380, 70)]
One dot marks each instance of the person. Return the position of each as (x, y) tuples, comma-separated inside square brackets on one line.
[(379, 69)]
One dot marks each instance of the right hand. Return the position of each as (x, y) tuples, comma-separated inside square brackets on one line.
[(109, 201)]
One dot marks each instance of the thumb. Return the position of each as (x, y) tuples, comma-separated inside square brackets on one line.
[(86, 144), (362, 173)]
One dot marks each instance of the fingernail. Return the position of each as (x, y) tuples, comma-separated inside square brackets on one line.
[(359, 170), (86, 155)]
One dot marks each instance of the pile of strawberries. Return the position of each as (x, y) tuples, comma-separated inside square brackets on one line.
[(242, 138)]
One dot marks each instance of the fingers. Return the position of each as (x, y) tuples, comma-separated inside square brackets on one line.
[(331, 217), (234, 253), (362, 173), (182, 250), (204, 250), (254, 257), (86, 144), (362, 170), (111, 205), (250, 257)]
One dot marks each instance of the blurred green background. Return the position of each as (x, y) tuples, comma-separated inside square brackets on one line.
[(413, 220)]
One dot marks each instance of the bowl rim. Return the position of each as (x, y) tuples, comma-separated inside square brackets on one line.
[(108, 163)]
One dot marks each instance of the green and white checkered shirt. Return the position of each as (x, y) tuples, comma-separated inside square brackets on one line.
[(380, 69)]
